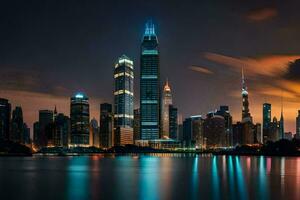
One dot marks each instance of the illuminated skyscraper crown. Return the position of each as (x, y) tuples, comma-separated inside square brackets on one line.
[(149, 29)]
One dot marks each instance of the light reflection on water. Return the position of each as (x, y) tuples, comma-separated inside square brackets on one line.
[(155, 176)]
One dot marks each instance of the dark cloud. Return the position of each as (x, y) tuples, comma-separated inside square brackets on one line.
[(262, 14), (293, 71)]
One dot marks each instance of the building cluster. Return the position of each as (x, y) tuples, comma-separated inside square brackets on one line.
[(156, 122)]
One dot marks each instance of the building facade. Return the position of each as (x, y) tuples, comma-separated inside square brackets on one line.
[(123, 101), (106, 126), (267, 110), (150, 85), (166, 102), (80, 120), (17, 126), (5, 119), (173, 122)]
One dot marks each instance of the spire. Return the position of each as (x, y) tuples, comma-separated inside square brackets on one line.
[(55, 110), (167, 86), (149, 28)]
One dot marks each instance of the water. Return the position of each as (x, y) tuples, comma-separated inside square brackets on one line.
[(168, 176)]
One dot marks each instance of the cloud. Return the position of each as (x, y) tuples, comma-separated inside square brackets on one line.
[(201, 69), (262, 14)]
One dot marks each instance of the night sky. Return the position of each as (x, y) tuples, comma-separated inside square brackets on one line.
[(51, 49)]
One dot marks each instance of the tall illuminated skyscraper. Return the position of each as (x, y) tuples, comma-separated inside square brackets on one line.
[(298, 125), (123, 93), (149, 85), (246, 116), (266, 122), (166, 102), (80, 120)]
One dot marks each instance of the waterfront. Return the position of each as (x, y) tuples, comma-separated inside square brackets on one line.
[(156, 176)]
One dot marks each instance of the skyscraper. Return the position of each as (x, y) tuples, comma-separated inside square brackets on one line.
[(123, 100), (266, 121), (246, 116), (281, 123), (62, 130), (166, 101), (106, 125), (193, 131), (17, 126), (298, 125), (94, 132), (173, 122), (150, 85), (123, 93), (80, 120), (45, 121), (136, 124), (5, 112)]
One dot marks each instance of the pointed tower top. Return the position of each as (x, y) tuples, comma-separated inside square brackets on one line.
[(167, 86), (244, 88), (149, 28)]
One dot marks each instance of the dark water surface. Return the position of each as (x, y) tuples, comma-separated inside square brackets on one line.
[(166, 176)]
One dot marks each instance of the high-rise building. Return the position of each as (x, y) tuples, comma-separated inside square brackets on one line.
[(45, 123), (166, 102), (173, 122), (26, 134), (214, 131), (123, 93), (36, 134), (224, 112), (5, 112), (80, 120), (298, 125), (61, 130), (246, 116), (266, 121), (136, 124), (17, 126), (123, 100), (106, 126), (281, 124), (94, 132), (150, 85), (193, 132)]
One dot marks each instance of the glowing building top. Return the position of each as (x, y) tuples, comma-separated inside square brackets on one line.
[(246, 116)]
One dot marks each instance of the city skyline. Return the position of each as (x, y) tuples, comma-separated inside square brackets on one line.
[(36, 82)]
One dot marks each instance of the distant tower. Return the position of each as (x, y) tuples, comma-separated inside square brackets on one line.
[(106, 126), (17, 125), (150, 85), (246, 116), (166, 102), (266, 121), (80, 120), (298, 125), (281, 122), (5, 119)]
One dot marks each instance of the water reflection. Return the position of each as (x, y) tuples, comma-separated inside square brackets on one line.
[(167, 176), (78, 178), (215, 179)]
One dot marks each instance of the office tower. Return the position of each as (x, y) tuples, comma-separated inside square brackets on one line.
[(62, 130), (26, 134), (45, 123), (193, 132), (80, 120), (94, 132), (166, 102), (298, 125), (5, 112), (274, 130), (106, 126), (246, 116), (173, 122), (17, 126), (266, 121), (214, 131), (237, 134), (36, 134), (136, 124), (281, 124), (258, 138), (224, 112), (150, 85), (123, 101)]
